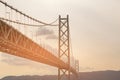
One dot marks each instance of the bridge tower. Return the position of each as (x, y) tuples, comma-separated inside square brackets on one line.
[(77, 68), (64, 47), (77, 65)]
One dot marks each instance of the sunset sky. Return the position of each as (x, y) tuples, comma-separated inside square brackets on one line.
[(95, 34)]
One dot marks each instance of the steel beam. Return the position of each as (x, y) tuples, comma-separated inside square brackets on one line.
[(15, 43), (64, 47)]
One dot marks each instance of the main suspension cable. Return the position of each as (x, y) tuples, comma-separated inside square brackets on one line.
[(20, 12), (17, 22)]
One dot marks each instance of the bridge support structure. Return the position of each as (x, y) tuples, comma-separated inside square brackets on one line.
[(77, 68), (77, 65), (64, 47)]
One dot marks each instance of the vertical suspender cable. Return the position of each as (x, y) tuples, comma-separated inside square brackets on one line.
[(24, 25), (11, 12), (17, 19)]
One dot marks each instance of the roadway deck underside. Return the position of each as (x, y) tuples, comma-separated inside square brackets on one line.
[(15, 43)]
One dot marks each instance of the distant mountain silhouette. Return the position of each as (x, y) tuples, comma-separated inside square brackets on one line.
[(96, 75), (30, 77), (100, 75)]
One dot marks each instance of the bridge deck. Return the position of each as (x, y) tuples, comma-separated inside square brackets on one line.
[(15, 43)]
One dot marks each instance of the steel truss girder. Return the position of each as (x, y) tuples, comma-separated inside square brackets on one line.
[(15, 43)]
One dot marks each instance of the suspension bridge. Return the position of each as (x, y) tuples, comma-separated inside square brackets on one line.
[(15, 40)]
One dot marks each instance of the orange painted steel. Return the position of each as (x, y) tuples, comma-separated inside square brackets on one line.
[(15, 43)]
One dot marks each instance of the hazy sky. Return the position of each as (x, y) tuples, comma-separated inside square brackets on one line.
[(95, 33)]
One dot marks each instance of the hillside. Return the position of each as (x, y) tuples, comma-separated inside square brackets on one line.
[(96, 75), (100, 75)]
